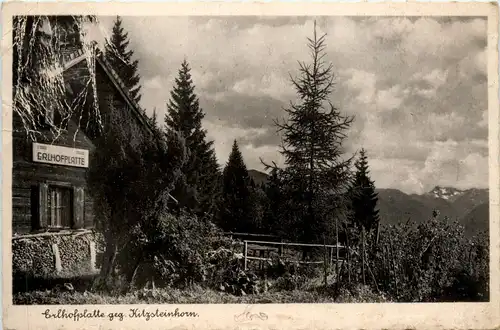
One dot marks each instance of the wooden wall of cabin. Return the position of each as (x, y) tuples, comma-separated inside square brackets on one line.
[(28, 175)]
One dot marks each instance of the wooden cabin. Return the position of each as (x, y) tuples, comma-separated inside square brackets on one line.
[(52, 212)]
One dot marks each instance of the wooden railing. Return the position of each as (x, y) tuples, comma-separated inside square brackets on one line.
[(243, 235), (257, 246)]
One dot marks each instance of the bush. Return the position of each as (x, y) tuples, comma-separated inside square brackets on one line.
[(360, 294), (289, 282), (430, 262), (226, 273), (169, 250)]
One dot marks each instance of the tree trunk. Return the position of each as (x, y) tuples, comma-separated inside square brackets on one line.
[(132, 275), (305, 253), (363, 253), (373, 278), (337, 245), (109, 256), (377, 236), (348, 257), (325, 264)]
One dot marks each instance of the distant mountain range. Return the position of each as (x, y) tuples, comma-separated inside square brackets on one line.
[(258, 176), (470, 207)]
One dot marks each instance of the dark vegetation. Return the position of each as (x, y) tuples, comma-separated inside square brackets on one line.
[(164, 204)]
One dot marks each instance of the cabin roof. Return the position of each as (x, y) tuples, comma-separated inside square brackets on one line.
[(79, 55)]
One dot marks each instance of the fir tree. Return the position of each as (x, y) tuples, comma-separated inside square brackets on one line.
[(119, 55), (154, 118), (236, 200), (315, 173), (273, 193), (364, 198), (258, 206), (364, 202), (198, 190)]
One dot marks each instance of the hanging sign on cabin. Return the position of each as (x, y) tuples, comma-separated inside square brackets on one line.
[(51, 154)]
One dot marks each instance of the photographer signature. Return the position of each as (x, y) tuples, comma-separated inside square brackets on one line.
[(248, 316)]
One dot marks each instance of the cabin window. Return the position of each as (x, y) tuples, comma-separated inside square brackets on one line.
[(59, 207)]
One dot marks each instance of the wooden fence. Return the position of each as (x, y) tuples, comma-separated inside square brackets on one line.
[(263, 251), (253, 236)]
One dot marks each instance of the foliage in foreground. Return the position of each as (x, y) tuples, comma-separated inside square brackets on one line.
[(195, 295), (170, 250), (433, 261), (426, 263)]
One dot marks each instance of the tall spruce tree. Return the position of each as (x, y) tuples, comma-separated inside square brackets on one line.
[(364, 198), (236, 208), (315, 173), (364, 202), (154, 118), (198, 190), (119, 55), (272, 189)]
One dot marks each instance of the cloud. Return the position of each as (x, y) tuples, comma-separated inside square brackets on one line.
[(270, 84), (362, 82), (447, 163), (414, 84), (224, 135), (436, 78), (391, 98), (483, 123)]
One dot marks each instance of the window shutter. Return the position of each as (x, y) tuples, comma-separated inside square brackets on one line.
[(43, 189), (78, 207)]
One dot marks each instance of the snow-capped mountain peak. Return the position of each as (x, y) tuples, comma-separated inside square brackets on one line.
[(445, 192)]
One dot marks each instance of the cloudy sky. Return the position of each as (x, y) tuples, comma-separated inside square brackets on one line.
[(416, 85)]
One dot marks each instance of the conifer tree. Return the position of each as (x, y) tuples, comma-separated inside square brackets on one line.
[(315, 173), (258, 206), (119, 55), (154, 118), (364, 202), (364, 198), (236, 200), (198, 190), (272, 189)]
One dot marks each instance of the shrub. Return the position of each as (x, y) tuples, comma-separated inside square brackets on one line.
[(225, 273), (169, 250), (360, 294), (289, 282), (430, 262)]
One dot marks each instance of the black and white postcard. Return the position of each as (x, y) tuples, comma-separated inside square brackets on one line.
[(250, 166)]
